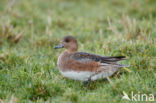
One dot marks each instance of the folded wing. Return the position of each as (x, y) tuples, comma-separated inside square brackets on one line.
[(87, 57)]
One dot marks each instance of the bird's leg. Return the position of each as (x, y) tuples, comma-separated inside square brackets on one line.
[(87, 83)]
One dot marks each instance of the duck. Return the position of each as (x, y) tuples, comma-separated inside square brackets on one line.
[(83, 66)]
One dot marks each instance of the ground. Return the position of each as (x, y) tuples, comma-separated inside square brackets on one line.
[(30, 29)]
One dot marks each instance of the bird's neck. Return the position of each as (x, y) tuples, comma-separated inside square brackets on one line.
[(71, 51)]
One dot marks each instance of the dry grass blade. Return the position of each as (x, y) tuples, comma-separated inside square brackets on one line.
[(10, 4), (17, 38), (13, 100), (127, 69), (112, 27)]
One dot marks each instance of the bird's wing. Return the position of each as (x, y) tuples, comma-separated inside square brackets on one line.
[(87, 57)]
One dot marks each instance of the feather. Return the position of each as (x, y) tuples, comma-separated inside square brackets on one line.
[(82, 56)]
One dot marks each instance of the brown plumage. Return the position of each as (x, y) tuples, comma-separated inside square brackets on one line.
[(83, 66)]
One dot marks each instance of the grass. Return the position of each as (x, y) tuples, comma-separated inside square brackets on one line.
[(29, 29)]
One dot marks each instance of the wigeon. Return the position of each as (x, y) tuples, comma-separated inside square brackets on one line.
[(85, 66)]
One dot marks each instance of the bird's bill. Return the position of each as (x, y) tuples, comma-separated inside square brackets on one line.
[(59, 46)]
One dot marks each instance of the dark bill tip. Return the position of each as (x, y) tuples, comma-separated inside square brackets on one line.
[(59, 46)]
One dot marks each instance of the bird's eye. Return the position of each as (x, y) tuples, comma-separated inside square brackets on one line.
[(67, 40)]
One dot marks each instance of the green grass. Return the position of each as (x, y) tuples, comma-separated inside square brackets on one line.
[(29, 29)]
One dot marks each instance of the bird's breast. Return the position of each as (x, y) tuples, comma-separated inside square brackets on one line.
[(63, 61)]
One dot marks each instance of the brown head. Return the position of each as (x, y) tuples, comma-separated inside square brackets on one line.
[(68, 42)]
